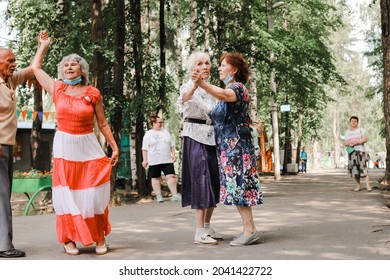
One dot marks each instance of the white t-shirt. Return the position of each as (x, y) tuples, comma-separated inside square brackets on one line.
[(354, 135), (158, 143)]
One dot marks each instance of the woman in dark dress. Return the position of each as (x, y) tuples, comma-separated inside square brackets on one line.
[(200, 179)]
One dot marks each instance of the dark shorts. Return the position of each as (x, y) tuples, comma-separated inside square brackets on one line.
[(155, 170)]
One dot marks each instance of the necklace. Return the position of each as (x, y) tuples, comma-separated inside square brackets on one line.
[(73, 90)]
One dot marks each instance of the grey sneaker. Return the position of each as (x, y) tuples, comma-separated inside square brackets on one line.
[(204, 238), (243, 240), (159, 198), (235, 238), (176, 197), (212, 233)]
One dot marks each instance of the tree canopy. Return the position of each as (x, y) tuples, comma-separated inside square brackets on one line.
[(136, 63)]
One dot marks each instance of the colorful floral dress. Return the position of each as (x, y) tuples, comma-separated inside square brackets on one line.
[(81, 170), (239, 179)]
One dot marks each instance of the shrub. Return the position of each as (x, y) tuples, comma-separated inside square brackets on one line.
[(32, 174)]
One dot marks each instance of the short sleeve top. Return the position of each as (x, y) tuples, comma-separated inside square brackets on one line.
[(75, 115), (158, 144), (8, 118), (355, 134)]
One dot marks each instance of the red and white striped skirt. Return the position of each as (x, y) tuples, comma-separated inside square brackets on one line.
[(81, 188)]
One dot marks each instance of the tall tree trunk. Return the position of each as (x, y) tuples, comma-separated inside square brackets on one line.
[(135, 7), (35, 138), (179, 57), (315, 155), (97, 67), (97, 35), (147, 28), (119, 71), (149, 50), (253, 87), (253, 91), (385, 20), (287, 150), (274, 105), (299, 136), (193, 25), (207, 26), (336, 134), (162, 86), (119, 65)]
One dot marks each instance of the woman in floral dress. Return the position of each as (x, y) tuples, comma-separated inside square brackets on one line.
[(239, 179), (81, 170)]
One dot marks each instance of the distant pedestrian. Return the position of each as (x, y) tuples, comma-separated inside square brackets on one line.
[(355, 137), (269, 159), (303, 157), (381, 160), (158, 152), (368, 159)]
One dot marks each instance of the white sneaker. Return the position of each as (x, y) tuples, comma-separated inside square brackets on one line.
[(210, 231), (159, 198), (176, 197), (204, 238)]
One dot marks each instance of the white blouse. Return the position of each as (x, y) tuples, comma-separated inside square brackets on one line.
[(197, 107)]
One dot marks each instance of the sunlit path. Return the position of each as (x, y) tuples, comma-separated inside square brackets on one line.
[(307, 216)]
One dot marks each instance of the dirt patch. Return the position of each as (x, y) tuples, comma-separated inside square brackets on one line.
[(42, 204)]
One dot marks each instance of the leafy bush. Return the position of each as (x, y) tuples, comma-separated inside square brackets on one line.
[(33, 174)]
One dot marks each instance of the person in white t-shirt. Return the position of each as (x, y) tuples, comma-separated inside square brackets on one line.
[(158, 152), (357, 161)]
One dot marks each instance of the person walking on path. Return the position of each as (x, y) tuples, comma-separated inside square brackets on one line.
[(303, 156), (239, 179), (355, 137), (158, 153), (81, 169), (268, 159), (200, 179), (9, 80)]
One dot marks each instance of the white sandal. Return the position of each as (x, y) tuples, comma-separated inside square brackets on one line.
[(71, 251), (101, 250)]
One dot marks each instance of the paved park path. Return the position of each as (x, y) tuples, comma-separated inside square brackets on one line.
[(312, 216)]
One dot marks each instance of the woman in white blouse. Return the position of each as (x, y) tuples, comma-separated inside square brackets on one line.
[(200, 179)]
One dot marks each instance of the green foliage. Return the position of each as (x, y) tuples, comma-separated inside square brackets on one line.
[(308, 67), (32, 174), (358, 96)]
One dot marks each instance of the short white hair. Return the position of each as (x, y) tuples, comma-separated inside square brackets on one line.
[(194, 58), (83, 65)]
